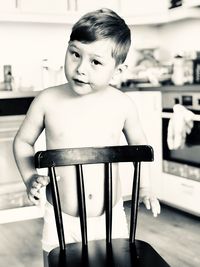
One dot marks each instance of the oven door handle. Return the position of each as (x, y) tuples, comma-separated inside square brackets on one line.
[(168, 115)]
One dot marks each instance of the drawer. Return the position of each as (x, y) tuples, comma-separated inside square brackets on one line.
[(182, 192)]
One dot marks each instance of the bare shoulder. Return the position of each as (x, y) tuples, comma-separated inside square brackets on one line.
[(52, 92), (123, 99), (48, 96)]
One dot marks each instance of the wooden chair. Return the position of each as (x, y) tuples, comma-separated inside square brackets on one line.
[(99, 253)]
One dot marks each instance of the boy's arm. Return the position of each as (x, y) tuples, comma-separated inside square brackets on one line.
[(135, 136), (23, 148)]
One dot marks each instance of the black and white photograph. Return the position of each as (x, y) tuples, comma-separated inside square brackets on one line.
[(100, 133)]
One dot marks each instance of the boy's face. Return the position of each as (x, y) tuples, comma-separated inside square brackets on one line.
[(89, 67)]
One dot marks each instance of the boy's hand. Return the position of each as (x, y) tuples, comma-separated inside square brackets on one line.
[(150, 201), (34, 185)]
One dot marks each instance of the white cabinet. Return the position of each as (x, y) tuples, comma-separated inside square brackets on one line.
[(14, 203), (68, 11), (42, 11), (149, 109), (43, 6), (34, 6), (182, 193), (156, 12), (8, 6), (136, 8), (88, 5)]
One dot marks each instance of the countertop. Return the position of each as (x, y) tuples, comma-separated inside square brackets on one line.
[(15, 94), (166, 88)]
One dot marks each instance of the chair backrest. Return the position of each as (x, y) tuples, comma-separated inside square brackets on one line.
[(94, 155)]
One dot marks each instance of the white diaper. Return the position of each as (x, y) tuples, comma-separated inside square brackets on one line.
[(95, 227)]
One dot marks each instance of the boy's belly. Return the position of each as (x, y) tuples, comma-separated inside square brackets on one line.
[(94, 189)]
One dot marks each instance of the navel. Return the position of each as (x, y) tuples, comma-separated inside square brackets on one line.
[(90, 196)]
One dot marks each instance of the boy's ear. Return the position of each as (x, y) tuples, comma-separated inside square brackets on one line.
[(121, 68), (116, 79)]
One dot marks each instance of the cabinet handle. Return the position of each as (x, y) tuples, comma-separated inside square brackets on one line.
[(76, 5), (16, 3), (68, 5), (72, 6), (187, 186)]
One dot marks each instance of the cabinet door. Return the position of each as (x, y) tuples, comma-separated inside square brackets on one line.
[(88, 5), (182, 193), (8, 5), (136, 8), (44, 6), (149, 110)]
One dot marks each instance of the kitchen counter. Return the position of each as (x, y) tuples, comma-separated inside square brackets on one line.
[(167, 88), (13, 94)]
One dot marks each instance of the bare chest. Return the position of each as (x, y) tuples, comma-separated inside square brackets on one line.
[(84, 126)]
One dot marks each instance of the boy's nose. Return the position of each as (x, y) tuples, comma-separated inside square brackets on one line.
[(81, 68)]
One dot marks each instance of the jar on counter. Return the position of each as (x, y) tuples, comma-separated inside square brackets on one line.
[(178, 70)]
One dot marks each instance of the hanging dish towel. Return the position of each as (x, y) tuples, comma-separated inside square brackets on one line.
[(180, 124)]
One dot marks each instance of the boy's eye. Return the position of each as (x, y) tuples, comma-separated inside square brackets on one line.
[(76, 54), (96, 62)]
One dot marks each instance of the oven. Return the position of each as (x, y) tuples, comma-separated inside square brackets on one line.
[(181, 167), (14, 203)]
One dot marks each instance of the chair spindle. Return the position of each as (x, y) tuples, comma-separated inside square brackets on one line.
[(134, 202), (108, 201), (81, 203), (57, 208)]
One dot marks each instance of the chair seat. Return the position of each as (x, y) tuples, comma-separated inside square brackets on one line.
[(119, 254)]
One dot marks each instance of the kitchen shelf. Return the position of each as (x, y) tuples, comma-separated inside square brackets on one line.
[(189, 11)]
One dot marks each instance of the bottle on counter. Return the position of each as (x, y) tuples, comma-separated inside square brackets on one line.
[(178, 70), (8, 78)]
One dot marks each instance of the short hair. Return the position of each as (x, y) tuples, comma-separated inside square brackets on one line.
[(104, 24)]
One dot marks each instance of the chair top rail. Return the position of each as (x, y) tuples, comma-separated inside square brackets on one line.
[(93, 155)]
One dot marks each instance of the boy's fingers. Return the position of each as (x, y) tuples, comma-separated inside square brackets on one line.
[(153, 204), (43, 180), (36, 185), (146, 202), (35, 193), (33, 199)]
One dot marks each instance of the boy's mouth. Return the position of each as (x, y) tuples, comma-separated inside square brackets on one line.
[(79, 82)]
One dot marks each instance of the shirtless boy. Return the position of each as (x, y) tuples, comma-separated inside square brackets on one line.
[(86, 111)]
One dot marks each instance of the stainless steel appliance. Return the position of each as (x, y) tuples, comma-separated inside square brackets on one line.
[(184, 162), (181, 167)]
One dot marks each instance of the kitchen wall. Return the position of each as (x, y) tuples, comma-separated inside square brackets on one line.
[(24, 45), (180, 36)]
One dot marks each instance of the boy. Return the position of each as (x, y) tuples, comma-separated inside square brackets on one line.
[(86, 111)]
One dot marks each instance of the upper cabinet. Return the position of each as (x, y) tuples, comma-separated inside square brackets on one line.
[(7, 6), (47, 11), (88, 5), (43, 6), (34, 6), (156, 12)]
